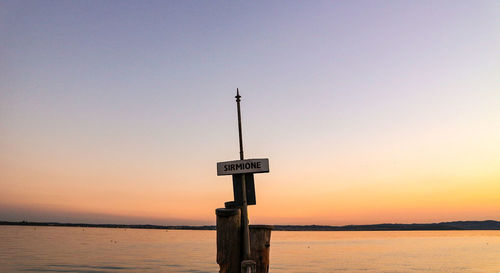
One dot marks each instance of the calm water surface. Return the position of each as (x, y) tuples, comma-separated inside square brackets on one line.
[(62, 249)]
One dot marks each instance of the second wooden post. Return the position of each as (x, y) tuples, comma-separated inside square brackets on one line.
[(260, 243)]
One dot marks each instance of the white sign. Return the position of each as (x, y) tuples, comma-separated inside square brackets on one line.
[(257, 165)]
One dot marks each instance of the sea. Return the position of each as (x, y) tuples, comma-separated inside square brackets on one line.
[(96, 250)]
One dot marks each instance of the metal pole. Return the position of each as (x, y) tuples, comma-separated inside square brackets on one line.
[(244, 210), (239, 122)]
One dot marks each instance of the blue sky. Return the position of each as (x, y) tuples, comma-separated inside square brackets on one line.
[(120, 92)]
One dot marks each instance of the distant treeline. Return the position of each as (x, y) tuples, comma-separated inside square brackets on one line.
[(55, 224), (457, 225)]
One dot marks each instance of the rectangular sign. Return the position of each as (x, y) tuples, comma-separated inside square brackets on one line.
[(238, 189), (257, 165)]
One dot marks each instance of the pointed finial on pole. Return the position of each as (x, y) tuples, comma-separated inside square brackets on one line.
[(237, 95), (239, 122)]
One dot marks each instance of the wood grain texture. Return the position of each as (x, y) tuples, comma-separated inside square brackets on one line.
[(260, 245), (228, 240)]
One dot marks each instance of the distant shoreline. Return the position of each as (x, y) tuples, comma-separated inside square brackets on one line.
[(456, 225)]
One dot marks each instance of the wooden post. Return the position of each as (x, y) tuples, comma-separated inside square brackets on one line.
[(228, 239), (260, 242)]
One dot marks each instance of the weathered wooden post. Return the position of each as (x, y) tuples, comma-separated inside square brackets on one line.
[(228, 239), (253, 253), (260, 242)]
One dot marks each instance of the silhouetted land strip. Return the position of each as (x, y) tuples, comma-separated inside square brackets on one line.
[(457, 225)]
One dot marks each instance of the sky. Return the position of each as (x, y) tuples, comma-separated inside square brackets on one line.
[(369, 111)]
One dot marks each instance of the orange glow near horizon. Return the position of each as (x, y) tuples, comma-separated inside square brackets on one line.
[(376, 192)]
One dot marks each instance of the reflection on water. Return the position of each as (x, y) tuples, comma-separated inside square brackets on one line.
[(387, 251), (95, 250)]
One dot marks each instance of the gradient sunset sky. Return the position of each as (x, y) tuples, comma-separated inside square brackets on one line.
[(369, 111)]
